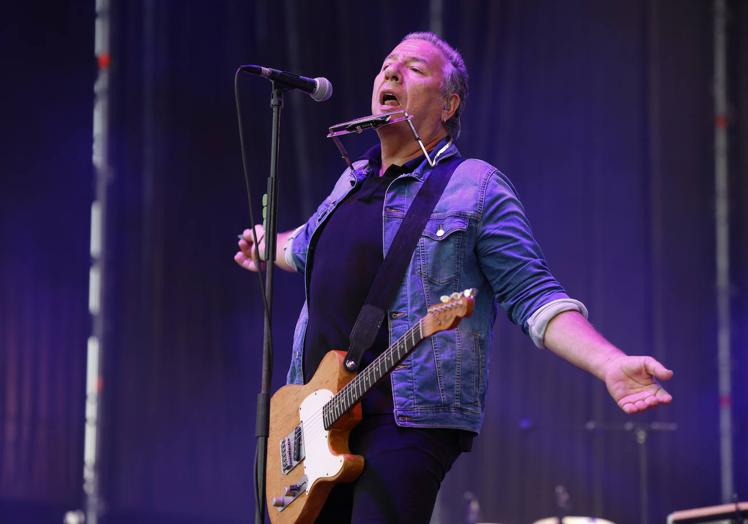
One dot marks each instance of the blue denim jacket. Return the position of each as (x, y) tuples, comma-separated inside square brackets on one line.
[(477, 237)]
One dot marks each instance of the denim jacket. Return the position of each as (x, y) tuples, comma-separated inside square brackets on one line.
[(476, 237)]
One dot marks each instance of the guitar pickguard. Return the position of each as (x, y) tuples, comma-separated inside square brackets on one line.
[(320, 461)]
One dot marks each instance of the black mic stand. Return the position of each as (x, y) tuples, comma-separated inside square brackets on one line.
[(641, 433), (263, 397)]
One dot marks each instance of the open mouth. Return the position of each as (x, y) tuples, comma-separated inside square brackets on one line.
[(386, 98)]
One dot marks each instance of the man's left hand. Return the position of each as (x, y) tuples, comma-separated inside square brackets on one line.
[(632, 381)]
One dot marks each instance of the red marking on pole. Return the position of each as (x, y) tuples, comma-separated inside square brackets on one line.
[(104, 60), (99, 384), (720, 121), (725, 401)]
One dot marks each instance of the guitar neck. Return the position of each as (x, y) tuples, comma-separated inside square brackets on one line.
[(364, 381)]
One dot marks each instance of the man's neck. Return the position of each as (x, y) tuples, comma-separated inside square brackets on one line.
[(399, 147)]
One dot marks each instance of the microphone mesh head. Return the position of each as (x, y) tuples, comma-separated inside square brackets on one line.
[(323, 91)]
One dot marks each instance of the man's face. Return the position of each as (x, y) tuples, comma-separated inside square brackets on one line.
[(411, 78)]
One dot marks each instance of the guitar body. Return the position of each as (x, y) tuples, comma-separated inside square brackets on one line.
[(325, 460)]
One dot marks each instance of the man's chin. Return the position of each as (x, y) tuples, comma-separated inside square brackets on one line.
[(399, 129)]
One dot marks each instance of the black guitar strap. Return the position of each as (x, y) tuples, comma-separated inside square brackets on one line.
[(391, 272)]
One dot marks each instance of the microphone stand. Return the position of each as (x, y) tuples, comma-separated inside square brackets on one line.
[(263, 397), (641, 433)]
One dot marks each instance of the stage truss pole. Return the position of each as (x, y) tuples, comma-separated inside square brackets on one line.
[(96, 304), (722, 235)]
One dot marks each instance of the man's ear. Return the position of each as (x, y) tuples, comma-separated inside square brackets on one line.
[(451, 103)]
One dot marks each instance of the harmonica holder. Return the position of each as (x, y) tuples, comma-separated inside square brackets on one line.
[(359, 125)]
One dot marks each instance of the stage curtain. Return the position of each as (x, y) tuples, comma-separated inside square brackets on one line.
[(599, 112)]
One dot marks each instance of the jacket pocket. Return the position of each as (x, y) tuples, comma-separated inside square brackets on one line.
[(441, 249)]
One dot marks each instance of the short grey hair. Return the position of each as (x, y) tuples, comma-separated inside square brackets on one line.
[(455, 79)]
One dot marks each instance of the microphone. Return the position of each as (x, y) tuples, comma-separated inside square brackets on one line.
[(320, 89)]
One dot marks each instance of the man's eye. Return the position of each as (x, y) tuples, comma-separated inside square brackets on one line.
[(417, 70)]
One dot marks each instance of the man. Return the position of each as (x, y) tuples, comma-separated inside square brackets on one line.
[(417, 422)]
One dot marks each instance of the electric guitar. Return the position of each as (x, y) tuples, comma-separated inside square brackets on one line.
[(309, 424)]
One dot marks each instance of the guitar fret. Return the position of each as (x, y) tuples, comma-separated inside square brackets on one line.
[(341, 402)]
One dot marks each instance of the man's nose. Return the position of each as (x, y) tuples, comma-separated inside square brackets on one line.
[(392, 72)]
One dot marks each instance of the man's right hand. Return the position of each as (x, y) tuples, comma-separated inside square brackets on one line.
[(252, 257), (248, 255)]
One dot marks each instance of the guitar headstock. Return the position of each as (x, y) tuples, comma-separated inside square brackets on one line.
[(448, 313)]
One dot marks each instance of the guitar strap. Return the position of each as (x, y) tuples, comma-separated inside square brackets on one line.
[(392, 270)]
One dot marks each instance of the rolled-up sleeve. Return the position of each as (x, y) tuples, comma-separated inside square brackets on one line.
[(295, 259), (509, 255)]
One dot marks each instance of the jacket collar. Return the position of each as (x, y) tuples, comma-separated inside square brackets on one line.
[(417, 168)]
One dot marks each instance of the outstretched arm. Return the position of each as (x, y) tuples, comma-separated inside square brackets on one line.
[(632, 381)]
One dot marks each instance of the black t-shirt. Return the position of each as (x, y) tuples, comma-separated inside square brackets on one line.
[(346, 257)]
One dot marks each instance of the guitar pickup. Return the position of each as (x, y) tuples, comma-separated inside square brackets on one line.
[(292, 449), (297, 444), (285, 463)]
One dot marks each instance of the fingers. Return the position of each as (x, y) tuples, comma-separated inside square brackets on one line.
[(657, 370), (645, 400), (247, 263), (250, 253)]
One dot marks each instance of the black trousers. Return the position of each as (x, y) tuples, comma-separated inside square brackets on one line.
[(403, 470)]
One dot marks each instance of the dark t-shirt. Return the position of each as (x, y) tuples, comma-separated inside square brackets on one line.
[(346, 258)]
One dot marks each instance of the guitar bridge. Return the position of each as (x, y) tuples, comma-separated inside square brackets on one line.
[(292, 449)]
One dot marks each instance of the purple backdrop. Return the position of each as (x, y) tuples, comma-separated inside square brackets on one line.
[(600, 113)]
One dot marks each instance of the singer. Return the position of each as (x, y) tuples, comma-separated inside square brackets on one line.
[(417, 421)]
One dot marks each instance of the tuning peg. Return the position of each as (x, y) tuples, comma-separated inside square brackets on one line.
[(444, 298)]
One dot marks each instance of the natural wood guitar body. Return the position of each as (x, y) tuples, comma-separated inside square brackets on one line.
[(285, 405)]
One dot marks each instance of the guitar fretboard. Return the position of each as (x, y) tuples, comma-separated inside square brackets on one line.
[(363, 382)]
